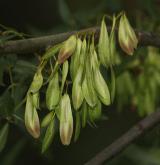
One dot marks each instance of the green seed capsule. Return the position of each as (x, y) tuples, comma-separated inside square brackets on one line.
[(77, 95), (88, 87), (49, 135), (75, 59), (95, 113), (53, 92), (84, 110), (66, 120), (103, 45), (47, 119), (35, 97), (126, 35), (67, 49), (37, 82), (31, 118), (101, 87), (64, 74), (78, 126)]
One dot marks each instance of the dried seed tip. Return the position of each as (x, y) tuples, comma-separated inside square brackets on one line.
[(126, 35), (67, 49), (53, 92), (37, 82), (66, 120), (31, 118)]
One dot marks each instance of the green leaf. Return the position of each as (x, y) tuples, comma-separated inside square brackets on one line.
[(3, 136)]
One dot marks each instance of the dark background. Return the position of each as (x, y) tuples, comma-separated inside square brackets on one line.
[(42, 17)]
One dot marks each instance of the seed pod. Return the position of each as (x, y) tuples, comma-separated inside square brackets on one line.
[(75, 59), (95, 113), (47, 119), (67, 49), (49, 135), (77, 95), (84, 110), (101, 87), (103, 45), (66, 120), (37, 82), (112, 41), (83, 53), (88, 87), (3, 136), (78, 126), (31, 118), (35, 97), (126, 35), (64, 74), (53, 92)]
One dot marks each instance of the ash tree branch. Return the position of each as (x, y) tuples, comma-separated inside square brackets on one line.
[(40, 43), (121, 143)]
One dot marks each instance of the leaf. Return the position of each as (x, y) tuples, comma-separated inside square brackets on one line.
[(65, 12), (3, 136), (49, 135)]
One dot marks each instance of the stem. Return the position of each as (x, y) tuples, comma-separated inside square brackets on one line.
[(40, 43), (121, 143)]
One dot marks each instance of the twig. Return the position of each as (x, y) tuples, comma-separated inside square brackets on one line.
[(121, 143), (40, 43)]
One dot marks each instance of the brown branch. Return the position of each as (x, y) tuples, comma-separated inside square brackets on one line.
[(40, 43), (121, 143)]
